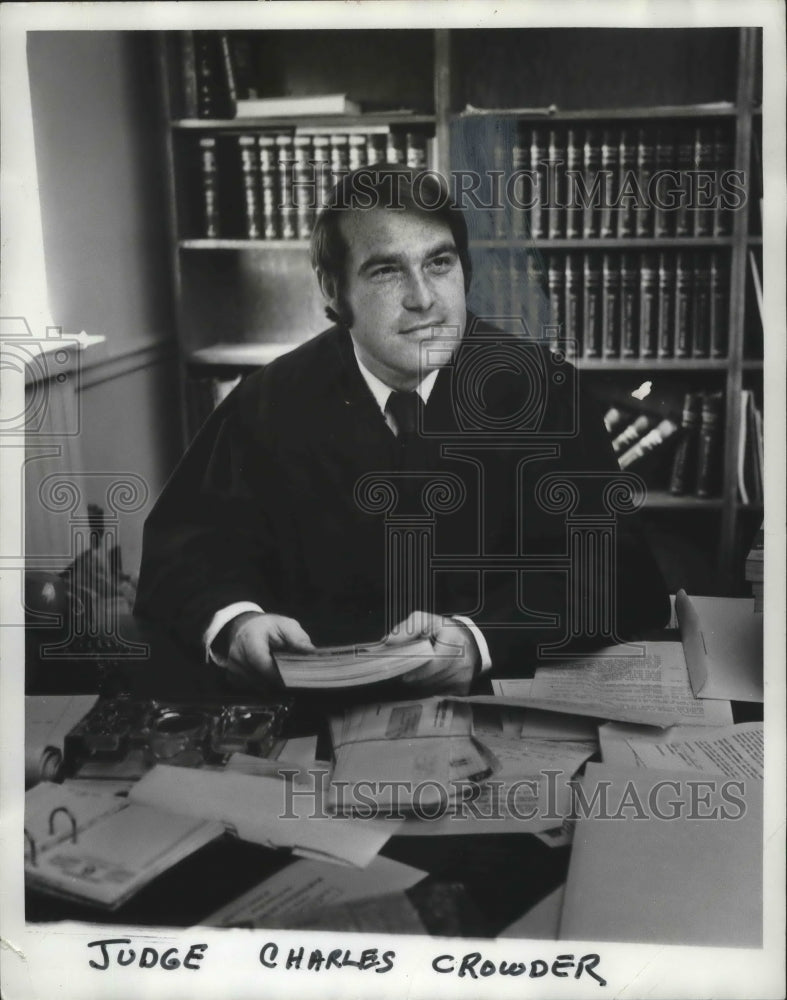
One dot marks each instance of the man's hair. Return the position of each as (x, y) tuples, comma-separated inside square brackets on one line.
[(387, 186)]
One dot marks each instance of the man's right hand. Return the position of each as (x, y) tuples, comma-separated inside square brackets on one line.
[(252, 639)]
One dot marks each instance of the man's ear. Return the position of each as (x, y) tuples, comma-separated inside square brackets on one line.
[(328, 289)]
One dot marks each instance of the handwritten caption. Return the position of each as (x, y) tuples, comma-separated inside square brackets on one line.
[(472, 965)]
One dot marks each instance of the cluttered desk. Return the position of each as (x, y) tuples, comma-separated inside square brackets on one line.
[(564, 805)]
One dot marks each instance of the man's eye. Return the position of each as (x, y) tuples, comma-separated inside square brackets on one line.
[(385, 271), (442, 263)]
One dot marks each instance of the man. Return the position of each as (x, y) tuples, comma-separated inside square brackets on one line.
[(270, 535)]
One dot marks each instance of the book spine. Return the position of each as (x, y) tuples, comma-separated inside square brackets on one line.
[(709, 453), (629, 435), (572, 308), (376, 147), (249, 168), (304, 183), (684, 463), (704, 191), (556, 173), (628, 307), (643, 223), (648, 306), (627, 184), (188, 71), (609, 171), (286, 163), (685, 153), (396, 147), (523, 191), (321, 154), (663, 216), (573, 173), (610, 306), (229, 93), (415, 150), (340, 156), (718, 306), (591, 307), (266, 152), (556, 285), (593, 184), (683, 283), (613, 420), (211, 225), (700, 346), (357, 151), (205, 63), (648, 443), (666, 306), (722, 162), (538, 156)]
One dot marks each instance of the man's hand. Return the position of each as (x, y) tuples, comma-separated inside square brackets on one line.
[(252, 639), (456, 660)]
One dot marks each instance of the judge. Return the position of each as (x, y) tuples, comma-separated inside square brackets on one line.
[(390, 476)]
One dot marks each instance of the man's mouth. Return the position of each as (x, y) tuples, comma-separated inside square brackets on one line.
[(421, 328)]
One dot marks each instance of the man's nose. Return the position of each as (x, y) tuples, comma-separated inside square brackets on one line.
[(418, 292)]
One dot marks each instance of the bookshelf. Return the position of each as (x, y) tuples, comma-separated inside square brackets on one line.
[(244, 292)]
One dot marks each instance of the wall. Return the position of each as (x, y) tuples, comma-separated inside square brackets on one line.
[(98, 125)]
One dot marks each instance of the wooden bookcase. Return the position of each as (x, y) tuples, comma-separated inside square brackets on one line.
[(240, 301)]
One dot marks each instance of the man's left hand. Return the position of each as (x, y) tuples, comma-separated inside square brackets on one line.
[(456, 660)]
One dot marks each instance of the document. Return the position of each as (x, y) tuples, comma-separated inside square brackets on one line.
[(48, 720), (260, 810), (500, 712), (528, 792), (100, 848), (734, 751), (353, 666), (306, 886), (648, 685), (722, 641), (686, 871)]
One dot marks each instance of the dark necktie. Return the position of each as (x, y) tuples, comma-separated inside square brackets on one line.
[(405, 408)]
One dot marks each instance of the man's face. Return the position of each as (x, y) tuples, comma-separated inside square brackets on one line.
[(404, 278)]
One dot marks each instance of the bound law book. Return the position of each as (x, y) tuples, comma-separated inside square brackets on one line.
[(685, 462), (297, 107), (353, 666)]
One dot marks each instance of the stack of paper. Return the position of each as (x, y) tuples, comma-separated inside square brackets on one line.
[(353, 666), (405, 755)]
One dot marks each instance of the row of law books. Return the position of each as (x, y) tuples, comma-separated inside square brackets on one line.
[(269, 185), (687, 452), (624, 305), (630, 179)]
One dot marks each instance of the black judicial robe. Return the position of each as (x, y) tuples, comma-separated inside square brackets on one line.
[(270, 504)]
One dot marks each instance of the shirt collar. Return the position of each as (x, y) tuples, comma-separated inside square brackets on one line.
[(381, 391)]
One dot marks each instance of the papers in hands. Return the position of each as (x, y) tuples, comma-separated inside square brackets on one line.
[(353, 666)]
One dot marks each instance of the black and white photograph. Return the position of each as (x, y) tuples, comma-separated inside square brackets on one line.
[(392, 544)]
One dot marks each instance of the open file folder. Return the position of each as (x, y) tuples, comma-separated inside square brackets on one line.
[(722, 642)]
